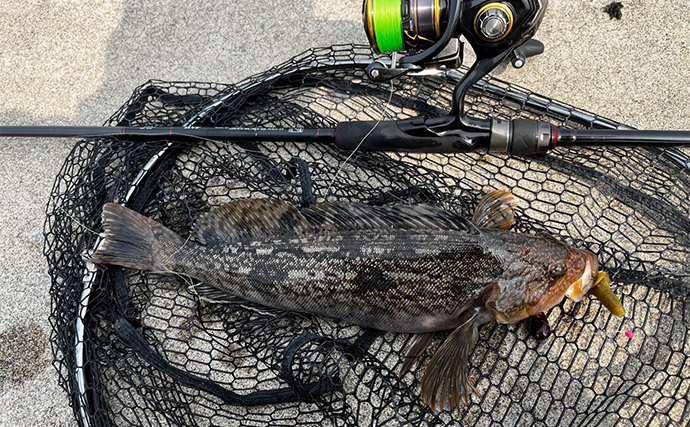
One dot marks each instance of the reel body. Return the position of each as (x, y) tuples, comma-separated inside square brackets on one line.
[(412, 26), (425, 34)]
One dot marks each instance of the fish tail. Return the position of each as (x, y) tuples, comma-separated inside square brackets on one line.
[(446, 378), (134, 241)]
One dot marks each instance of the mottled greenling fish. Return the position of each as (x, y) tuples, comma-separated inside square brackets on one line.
[(404, 268)]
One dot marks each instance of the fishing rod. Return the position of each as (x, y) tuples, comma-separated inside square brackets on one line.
[(423, 37), (519, 137)]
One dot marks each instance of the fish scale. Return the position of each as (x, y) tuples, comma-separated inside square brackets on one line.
[(374, 279)]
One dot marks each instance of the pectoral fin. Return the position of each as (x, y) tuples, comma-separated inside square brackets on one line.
[(602, 292), (495, 210), (447, 375), (418, 344)]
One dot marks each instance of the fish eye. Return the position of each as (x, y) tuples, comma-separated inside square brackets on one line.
[(557, 269)]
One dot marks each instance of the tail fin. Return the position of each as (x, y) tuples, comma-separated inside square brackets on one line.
[(135, 241)]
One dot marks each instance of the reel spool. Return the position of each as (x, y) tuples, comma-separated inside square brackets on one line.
[(407, 25), (415, 25)]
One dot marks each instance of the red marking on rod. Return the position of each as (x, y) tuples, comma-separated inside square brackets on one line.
[(572, 138), (170, 131), (123, 131), (318, 130), (555, 136)]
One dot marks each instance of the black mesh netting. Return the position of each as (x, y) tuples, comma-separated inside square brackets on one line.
[(150, 353)]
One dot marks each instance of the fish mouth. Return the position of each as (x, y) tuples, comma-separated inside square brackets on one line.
[(581, 286)]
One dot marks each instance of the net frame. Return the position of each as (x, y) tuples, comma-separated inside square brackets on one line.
[(338, 58)]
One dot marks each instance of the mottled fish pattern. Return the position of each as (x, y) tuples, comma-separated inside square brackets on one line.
[(395, 281)]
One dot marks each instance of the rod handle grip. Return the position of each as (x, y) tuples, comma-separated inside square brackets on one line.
[(387, 136), (530, 137)]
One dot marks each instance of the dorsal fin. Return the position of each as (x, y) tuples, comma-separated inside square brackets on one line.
[(259, 218), (424, 216), (249, 219), (495, 210), (342, 216)]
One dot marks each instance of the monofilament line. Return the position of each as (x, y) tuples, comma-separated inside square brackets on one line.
[(76, 221), (342, 165)]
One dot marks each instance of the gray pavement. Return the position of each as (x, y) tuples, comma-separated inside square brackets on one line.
[(74, 62)]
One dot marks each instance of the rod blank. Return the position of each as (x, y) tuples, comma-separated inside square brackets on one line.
[(254, 134), (622, 138)]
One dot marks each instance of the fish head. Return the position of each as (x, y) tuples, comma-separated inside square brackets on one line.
[(538, 273)]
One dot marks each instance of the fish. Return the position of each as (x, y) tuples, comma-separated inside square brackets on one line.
[(401, 268)]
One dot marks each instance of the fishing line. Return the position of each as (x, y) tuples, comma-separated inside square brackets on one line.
[(184, 276), (180, 248), (76, 221), (342, 165), (387, 17), (187, 279)]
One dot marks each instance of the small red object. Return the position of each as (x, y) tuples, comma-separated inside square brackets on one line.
[(629, 334)]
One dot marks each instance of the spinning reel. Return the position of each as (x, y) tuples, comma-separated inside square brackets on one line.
[(429, 31), (423, 37)]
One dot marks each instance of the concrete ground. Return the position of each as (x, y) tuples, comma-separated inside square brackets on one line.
[(74, 62)]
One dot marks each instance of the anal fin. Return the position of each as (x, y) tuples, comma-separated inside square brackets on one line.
[(214, 295)]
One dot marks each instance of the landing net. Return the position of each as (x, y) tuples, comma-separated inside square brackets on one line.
[(136, 349)]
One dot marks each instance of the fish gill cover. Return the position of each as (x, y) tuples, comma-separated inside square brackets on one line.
[(135, 348)]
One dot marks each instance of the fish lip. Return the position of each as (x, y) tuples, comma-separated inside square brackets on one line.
[(581, 286)]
